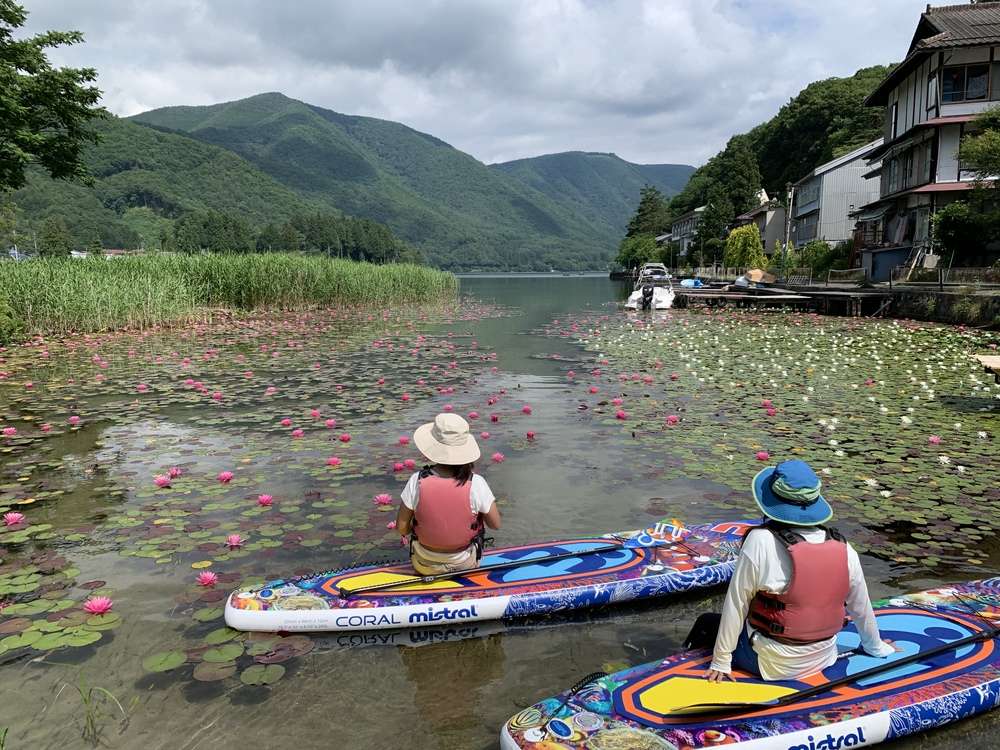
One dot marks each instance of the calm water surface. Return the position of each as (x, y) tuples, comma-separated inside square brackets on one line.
[(581, 476)]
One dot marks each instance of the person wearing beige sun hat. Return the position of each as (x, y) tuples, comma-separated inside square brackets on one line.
[(446, 506)]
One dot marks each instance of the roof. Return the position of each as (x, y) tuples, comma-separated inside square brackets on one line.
[(689, 215), (944, 27), (840, 161), (931, 187)]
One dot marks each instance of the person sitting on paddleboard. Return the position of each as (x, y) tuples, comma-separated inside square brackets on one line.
[(446, 505), (795, 580)]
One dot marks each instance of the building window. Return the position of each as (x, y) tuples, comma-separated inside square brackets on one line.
[(932, 91), (894, 120), (966, 83)]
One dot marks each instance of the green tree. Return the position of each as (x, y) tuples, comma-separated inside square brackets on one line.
[(95, 247), (736, 170), (980, 150), (652, 215), (716, 218), (44, 111), (634, 251), (744, 248), (54, 240)]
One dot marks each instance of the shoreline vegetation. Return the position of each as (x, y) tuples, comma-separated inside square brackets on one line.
[(59, 296)]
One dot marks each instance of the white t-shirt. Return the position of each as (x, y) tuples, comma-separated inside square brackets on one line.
[(480, 497), (765, 565)]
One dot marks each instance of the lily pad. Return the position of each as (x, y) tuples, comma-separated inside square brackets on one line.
[(260, 674), (163, 661), (226, 652)]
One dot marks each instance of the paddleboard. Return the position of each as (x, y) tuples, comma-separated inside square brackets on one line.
[(660, 560), (637, 708)]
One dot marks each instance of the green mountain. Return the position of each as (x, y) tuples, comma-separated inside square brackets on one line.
[(459, 212), (602, 186), (145, 179)]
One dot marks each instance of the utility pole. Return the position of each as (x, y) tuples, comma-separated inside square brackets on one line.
[(790, 197)]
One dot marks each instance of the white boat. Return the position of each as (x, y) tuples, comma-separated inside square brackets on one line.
[(653, 290)]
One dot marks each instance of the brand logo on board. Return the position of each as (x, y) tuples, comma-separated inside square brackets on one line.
[(852, 739), (433, 615)]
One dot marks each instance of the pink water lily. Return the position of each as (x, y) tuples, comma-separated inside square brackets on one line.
[(217, 396), (270, 390), (174, 471), (142, 388), (264, 500), (762, 455), (410, 464), (494, 418), (674, 376), (13, 518), (621, 414), (333, 461), (225, 477), (934, 440), (298, 433), (161, 480), (526, 409), (235, 540), (484, 435), (9, 431), (345, 438), (391, 525), (382, 499), (314, 413), (448, 407), (45, 427), (286, 422), (404, 440), (673, 419), (398, 466), (74, 420), (498, 457), (331, 423), (530, 434), (594, 389), (766, 403), (617, 401), (207, 578), (98, 605), (473, 415), (405, 397)]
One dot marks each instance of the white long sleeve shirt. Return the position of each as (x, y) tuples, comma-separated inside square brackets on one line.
[(765, 565)]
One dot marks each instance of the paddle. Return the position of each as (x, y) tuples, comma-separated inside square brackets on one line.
[(699, 709), (344, 593)]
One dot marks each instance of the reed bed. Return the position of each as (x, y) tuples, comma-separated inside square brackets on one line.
[(60, 296)]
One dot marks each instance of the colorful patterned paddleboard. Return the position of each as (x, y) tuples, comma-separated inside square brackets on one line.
[(664, 559), (638, 708)]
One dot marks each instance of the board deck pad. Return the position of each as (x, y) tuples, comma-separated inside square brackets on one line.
[(665, 558), (642, 707)]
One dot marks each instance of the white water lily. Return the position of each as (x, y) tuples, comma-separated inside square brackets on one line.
[(832, 442), (871, 482), (839, 453), (957, 425), (944, 459), (885, 493), (960, 469), (826, 471), (906, 420), (982, 434), (883, 410)]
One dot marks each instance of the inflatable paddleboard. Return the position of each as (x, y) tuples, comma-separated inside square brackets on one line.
[(663, 559), (637, 708)]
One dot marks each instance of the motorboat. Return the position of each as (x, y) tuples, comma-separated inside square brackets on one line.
[(655, 273), (652, 292)]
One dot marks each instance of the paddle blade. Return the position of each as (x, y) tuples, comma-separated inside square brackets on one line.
[(681, 695)]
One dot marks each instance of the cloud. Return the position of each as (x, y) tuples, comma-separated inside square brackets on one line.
[(651, 80)]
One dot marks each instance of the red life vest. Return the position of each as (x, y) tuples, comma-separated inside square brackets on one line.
[(444, 517), (812, 608)]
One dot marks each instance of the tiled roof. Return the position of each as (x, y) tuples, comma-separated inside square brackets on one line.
[(947, 26)]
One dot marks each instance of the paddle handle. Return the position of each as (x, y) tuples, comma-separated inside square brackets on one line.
[(344, 594)]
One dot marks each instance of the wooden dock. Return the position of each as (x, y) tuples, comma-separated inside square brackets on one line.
[(990, 363)]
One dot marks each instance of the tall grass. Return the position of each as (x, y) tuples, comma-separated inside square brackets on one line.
[(58, 296)]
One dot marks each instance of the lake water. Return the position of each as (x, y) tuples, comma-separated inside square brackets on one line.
[(901, 422)]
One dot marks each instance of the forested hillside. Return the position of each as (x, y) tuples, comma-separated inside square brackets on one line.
[(602, 186), (459, 212)]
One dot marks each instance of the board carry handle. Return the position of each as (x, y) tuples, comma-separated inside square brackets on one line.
[(345, 593), (698, 709)]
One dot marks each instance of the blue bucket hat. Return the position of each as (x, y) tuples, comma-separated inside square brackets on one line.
[(790, 493)]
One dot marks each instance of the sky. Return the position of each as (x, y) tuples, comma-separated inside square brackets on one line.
[(654, 81)]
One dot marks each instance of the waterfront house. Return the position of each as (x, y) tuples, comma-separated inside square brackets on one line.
[(950, 74), (823, 200), (684, 229), (769, 217)]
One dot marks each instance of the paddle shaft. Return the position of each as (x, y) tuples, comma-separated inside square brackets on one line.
[(716, 708), (441, 576)]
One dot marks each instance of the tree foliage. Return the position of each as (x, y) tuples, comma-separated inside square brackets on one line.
[(967, 230), (652, 215), (638, 249), (54, 240), (744, 248), (44, 111), (980, 150)]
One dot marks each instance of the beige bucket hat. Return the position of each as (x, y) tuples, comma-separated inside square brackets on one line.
[(447, 440)]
